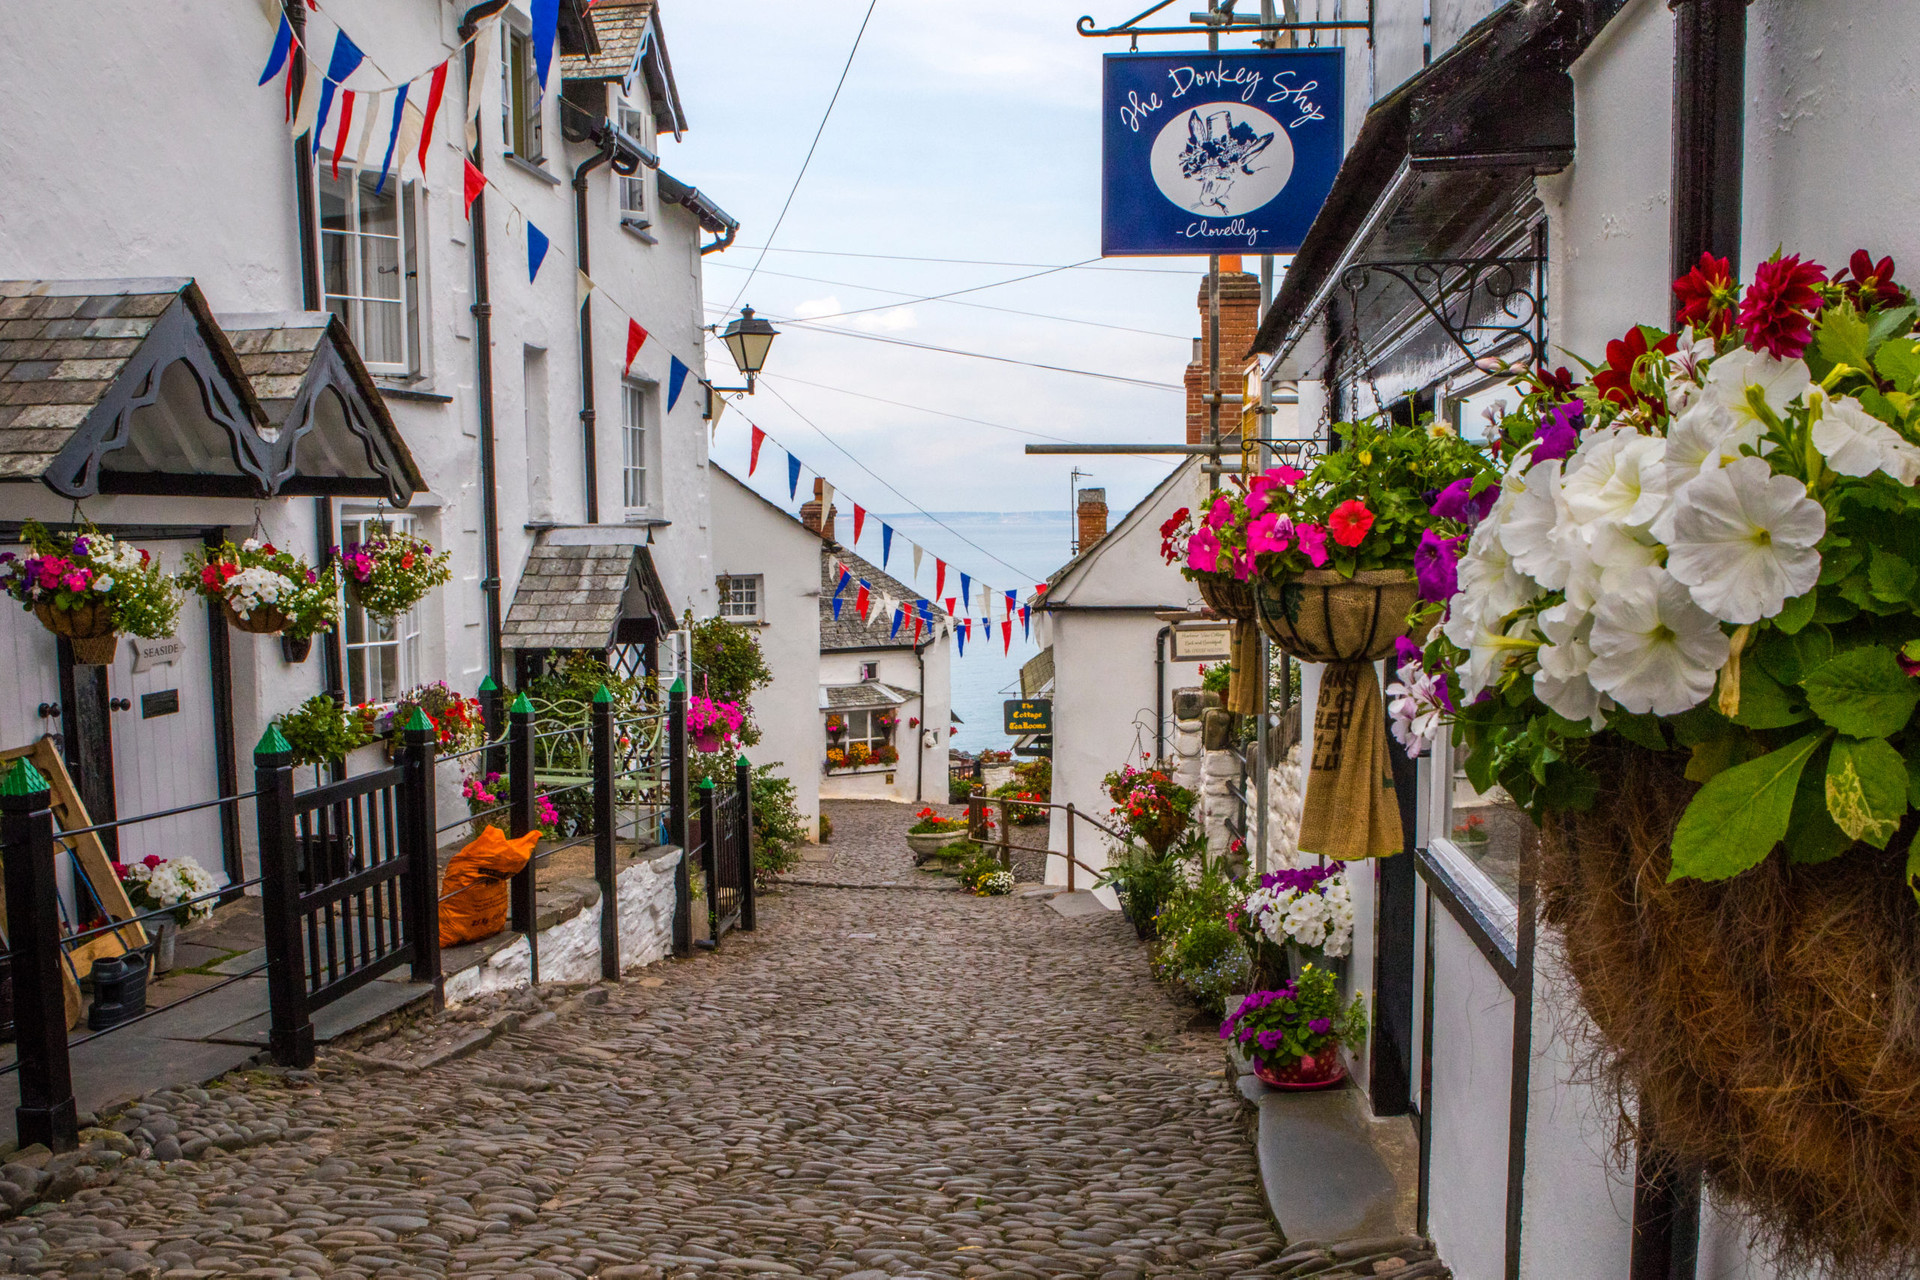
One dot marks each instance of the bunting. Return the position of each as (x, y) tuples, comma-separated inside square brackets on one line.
[(1012, 603), (486, 56), (916, 562), (793, 488), (676, 379), (434, 92), (863, 600), (859, 522), (536, 252), (886, 543), (393, 133), (966, 590), (546, 24), (753, 452), (950, 603), (826, 500), (1026, 632), (940, 579), (1006, 637), (636, 338), (282, 46), (345, 57), (476, 183), (899, 616), (582, 288), (371, 117), (960, 637), (339, 134)]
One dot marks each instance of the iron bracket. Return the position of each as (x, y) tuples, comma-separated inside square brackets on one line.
[(1448, 289)]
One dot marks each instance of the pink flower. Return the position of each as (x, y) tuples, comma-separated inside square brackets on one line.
[(1242, 565), (1313, 542), (1272, 532), (1285, 476), (1221, 513), (1203, 552), (75, 581)]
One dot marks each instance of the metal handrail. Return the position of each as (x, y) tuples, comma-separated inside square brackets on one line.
[(151, 1013), (117, 823)]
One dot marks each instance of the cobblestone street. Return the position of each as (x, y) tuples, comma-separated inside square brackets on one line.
[(881, 1081)]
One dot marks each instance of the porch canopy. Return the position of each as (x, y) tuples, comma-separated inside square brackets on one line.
[(133, 386), (587, 595)]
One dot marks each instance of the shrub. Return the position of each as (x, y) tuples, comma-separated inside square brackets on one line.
[(984, 876), (826, 829), (778, 831), (930, 822), (1143, 880), (320, 730), (958, 788), (1199, 950)]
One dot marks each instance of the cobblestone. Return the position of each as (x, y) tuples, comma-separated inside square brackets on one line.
[(869, 846), (877, 1083)]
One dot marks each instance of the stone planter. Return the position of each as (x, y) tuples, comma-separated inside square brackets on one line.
[(928, 845)]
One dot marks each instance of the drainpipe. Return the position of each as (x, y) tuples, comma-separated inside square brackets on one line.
[(483, 344), (1709, 80), (1160, 695), (587, 434), (920, 752)]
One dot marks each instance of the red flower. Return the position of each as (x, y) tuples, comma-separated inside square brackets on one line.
[(1708, 295), (1776, 313), (1350, 522), (1872, 284), (1615, 382), (152, 860), (1559, 381), (406, 561)]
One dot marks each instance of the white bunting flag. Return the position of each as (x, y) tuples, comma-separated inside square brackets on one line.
[(826, 499), (582, 287), (916, 562), (486, 56), (309, 108), (413, 122), (372, 108)]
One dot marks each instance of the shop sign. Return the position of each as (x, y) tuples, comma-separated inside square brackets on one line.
[(1025, 716), (1230, 153), (1204, 642)]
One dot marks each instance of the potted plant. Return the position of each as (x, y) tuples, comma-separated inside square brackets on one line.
[(171, 885), (835, 726), (984, 877), (459, 722), (1150, 805), (391, 571), (1292, 1035), (859, 755), (487, 796), (1294, 916), (885, 753), (318, 732), (264, 590), (90, 588), (713, 724), (887, 721), (836, 759), (930, 833), (1471, 831)]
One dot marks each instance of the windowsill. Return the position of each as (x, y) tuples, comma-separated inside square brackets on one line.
[(746, 622), (639, 231), (420, 395), (529, 166), (1489, 918)]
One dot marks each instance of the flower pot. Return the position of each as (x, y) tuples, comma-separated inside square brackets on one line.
[(294, 649), (1323, 616), (265, 620), (89, 629), (1228, 597), (164, 934), (1322, 1070), (927, 845), (708, 740)]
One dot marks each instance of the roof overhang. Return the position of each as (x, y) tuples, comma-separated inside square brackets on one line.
[(587, 587)]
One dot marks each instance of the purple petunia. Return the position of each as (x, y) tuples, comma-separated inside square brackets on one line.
[(1436, 565), (1559, 433), (1320, 1026), (1458, 501)]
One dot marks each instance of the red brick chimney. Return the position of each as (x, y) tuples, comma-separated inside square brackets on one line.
[(1092, 516), (810, 513), (1239, 321)]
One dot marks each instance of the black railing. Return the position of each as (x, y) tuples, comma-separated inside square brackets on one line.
[(726, 852)]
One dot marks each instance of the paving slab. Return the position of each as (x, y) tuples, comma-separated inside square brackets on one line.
[(1079, 905), (1323, 1177), (349, 1013)]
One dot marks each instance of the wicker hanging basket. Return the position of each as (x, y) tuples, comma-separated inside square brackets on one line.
[(89, 629), (265, 620), (1764, 1028), (1323, 616), (1228, 597)]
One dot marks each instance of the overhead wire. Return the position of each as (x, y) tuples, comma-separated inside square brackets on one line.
[(939, 297), (917, 408), (970, 262)]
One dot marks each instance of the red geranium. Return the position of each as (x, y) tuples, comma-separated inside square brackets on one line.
[(1708, 295), (1777, 311), (1872, 284), (1615, 381), (1350, 522)]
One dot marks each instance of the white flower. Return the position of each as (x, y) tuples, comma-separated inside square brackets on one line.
[(1730, 377), (1654, 649), (1683, 369), (1744, 539), (1607, 556), (1616, 475), (1489, 584), (1855, 443), (1535, 533), (103, 583), (1562, 681), (1705, 438), (1489, 648), (1414, 709)]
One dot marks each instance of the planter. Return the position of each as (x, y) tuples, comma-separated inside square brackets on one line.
[(1322, 616), (164, 933), (89, 629), (1321, 1070), (294, 649), (927, 845), (265, 620), (1759, 1026), (708, 740), (1228, 597), (1160, 836)]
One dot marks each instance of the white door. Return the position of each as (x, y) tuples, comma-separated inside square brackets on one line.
[(32, 663), (163, 735)]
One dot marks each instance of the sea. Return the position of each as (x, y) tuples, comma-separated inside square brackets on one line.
[(1009, 550)]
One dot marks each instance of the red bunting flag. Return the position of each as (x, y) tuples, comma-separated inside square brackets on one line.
[(860, 602), (940, 580), (859, 522), (340, 138), (636, 338), (753, 455), (1006, 636), (476, 183), (950, 604), (438, 87)]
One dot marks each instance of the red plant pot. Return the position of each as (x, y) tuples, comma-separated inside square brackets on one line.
[(1321, 1070), (707, 739)]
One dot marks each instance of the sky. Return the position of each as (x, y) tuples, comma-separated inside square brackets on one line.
[(963, 131)]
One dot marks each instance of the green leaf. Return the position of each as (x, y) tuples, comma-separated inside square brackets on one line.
[(1890, 577), (1812, 835), (1842, 338), (1699, 724), (1740, 815), (1867, 789), (1837, 560), (1834, 609), (1898, 360), (1788, 658), (1642, 731), (1764, 702), (1886, 325), (1797, 613), (1863, 693), (1714, 757), (1913, 773), (1559, 724)]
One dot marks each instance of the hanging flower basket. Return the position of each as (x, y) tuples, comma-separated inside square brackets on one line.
[(294, 649), (391, 572), (265, 591), (91, 588), (1231, 599), (1325, 616), (88, 627), (263, 620)]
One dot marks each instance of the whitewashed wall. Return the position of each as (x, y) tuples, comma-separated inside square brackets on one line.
[(900, 668)]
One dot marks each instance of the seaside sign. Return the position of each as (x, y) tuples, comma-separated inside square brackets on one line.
[(1230, 153)]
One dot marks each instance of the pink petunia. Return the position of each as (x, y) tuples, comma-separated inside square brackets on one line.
[(1313, 542), (1203, 552), (1272, 532), (1221, 513)]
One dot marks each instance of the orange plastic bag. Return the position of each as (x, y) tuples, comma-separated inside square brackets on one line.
[(474, 891)]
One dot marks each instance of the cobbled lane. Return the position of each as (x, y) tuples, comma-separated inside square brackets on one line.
[(880, 1082)]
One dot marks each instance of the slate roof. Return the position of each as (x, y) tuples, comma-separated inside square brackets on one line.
[(849, 632), (619, 26), (870, 695), (275, 351), (568, 598), (62, 346)]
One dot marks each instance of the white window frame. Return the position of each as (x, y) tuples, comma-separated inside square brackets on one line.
[(635, 202), (871, 734), (869, 672), (521, 102), (731, 585), (403, 635), (636, 447), (351, 306)]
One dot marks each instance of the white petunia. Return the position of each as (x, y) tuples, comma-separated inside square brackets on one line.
[(1562, 681), (1743, 541), (1654, 649), (1855, 443), (1489, 648), (1730, 377), (1535, 533), (1705, 438), (1489, 584), (1617, 475)]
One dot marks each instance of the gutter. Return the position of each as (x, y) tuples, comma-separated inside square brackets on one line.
[(588, 452), (919, 751), (712, 217)]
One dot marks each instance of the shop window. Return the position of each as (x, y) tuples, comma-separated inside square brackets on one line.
[(382, 655), (370, 265)]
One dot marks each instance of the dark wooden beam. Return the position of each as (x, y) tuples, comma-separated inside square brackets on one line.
[(1709, 79)]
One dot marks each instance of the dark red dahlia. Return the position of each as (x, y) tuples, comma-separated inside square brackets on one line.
[(1708, 295), (1872, 284), (1777, 313), (1615, 381)]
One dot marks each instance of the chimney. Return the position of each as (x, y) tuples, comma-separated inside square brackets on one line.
[(1239, 321), (1092, 516), (810, 513)]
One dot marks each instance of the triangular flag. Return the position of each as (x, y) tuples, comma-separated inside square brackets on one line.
[(899, 616), (950, 603), (371, 114), (844, 578), (886, 543), (676, 378), (793, 477), (1026, 632), (1012, 601), (486, 56), (340, 134), (960, 638), (859, 522), (940, 579), (863, 600), (546, 24), (434, 92), (916, 562), (986, 601), (393, 139), (346, 56), (308, 108), (636, 338), (1006, 636), (413, 126), (282, 46), (917, 623), (826, 500), (966, 591), (836, 606), (476, 183), (582, 290), (536, 251), (753, 453), (882, 606)]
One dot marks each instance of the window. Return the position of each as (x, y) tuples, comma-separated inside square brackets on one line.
[(520, 98), (381, 656), (369, 265), (740, 598), (633, 190), (869, 671), (633, 446), (865, 727)]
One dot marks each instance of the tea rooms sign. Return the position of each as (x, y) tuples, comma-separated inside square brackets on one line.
[(1218, 152)]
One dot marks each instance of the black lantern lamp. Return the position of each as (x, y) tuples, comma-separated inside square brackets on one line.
[(748, 339)]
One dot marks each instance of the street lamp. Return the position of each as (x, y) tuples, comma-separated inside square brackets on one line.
[(748, 339)]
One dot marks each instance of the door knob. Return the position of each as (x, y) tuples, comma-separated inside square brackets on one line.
[(119, 704), (48, 710)]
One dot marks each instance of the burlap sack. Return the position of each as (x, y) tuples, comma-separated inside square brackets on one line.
[(1322, 616), (474, 890), (1227, 597), (1351, 811), (1243, 686)]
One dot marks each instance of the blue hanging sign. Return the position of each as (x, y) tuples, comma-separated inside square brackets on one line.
[(1218, 152)]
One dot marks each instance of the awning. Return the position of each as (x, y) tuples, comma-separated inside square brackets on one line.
[(587, 596), (1036, 673), (869, 695)]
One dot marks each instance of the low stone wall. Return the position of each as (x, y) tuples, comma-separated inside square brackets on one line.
[(570, 950)]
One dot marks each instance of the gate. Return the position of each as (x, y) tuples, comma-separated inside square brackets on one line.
[(726, 852)]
